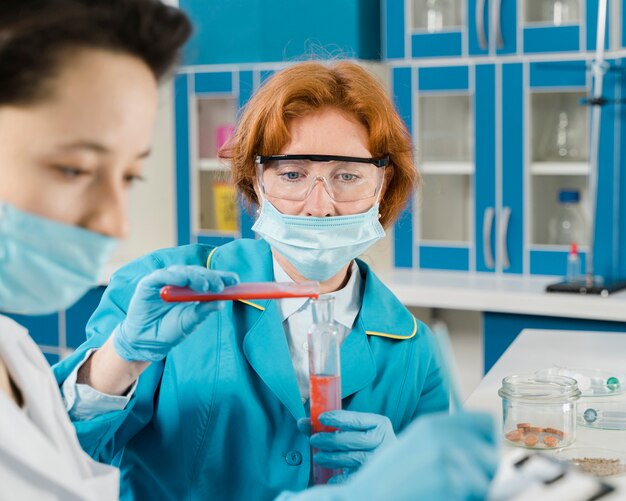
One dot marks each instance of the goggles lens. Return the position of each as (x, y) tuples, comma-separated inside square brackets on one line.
[(344, 179)]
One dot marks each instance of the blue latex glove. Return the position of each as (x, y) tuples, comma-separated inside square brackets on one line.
[(438, 457), (153, 327), (359, 435)]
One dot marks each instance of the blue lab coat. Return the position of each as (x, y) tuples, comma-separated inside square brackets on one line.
[(217, 418)]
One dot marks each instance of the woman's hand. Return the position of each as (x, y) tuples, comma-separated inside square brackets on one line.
[(153, 327), (359, 435)]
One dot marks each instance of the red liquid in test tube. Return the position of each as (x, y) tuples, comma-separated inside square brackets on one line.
[(324, 374), (325, 396)]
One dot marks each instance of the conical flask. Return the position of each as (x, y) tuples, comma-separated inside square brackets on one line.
[(324, 373)]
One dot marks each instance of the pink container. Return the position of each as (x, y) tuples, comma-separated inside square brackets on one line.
[(222, 134)]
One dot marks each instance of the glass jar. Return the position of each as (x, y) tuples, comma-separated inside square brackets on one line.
[(539, 412)]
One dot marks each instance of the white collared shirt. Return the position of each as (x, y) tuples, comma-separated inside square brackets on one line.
[(297, 319)]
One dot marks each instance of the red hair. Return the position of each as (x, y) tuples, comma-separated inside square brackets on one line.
[(305, 88)]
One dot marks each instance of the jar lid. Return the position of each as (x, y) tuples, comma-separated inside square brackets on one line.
[(534, 388)]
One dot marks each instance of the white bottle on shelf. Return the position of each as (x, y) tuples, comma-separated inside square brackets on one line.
[(567, 225)]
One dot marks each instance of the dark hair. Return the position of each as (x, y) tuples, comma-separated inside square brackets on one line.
[(36, 34)]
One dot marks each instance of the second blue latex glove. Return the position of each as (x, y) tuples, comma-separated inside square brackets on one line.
[(438, 457), (153, 327), (359, 435)]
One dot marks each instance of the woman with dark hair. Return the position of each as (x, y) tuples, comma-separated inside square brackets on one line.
[(78, 98)]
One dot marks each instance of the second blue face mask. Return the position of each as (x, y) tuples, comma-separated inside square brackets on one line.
[(46, 266), (318, 247)]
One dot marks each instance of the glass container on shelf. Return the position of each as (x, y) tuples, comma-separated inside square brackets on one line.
[(567, 224), (434, 16), (552, 12), (559, 127), (215, 119), (445, 160), (219, 210), (546, 209), (324, 372), (444, 128)]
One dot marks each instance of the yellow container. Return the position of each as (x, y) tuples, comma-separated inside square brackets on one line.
[(224, 206)]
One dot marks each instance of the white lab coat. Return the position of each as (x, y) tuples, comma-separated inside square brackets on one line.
[(40, 456)]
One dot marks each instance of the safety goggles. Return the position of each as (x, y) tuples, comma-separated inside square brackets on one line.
[(346, 179)]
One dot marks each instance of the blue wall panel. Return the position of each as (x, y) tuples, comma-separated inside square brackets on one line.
[(474, 48), (444, 258), (436, 45), (592, 24), (215, 82), (513, 161), (558, 74), (485, 174), (605, 215), (77, 316), (403, 227), (552, 39), (508, 22), (552, 262), (245, 31), (246, 87), (181, 136), (501, 329), (393, 30), (621, 201), (447, 78), (44, 329)]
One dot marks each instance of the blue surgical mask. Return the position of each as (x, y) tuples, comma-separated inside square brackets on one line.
[(46, 266), (318, 247)]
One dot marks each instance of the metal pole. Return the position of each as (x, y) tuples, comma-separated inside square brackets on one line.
[(598, 68)]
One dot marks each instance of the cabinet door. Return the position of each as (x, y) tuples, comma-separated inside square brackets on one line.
[(206, 106), (485, 127), (425, 28), (510, 168), (435, 230), (443, 129), (560, 25), (499, 171), (558, 160)]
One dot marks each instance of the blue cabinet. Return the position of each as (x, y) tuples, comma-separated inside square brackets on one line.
[(258, 31), (498, 138), (415, 29), (60, 333), (206, 106)]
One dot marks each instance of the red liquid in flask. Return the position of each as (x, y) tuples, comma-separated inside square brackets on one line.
[(325, 396)]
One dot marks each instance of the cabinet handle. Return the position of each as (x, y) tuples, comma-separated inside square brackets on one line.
[(504, 234), (497, 23), (487, 227), (480, 23)]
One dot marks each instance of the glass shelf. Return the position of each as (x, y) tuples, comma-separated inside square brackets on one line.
[(552, 12), (218, 208), (559, 127), (215, 122), (445, 205), (444, 129), (441, 168), (434, 16), (213, 164), (559, 168), (544, 204)]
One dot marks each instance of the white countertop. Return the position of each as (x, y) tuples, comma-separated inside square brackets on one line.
[(541, 349), (500, 294)]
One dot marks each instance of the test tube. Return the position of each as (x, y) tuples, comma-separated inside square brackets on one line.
[(324, 373)]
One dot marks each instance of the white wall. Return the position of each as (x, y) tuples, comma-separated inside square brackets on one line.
[(152, 201)]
